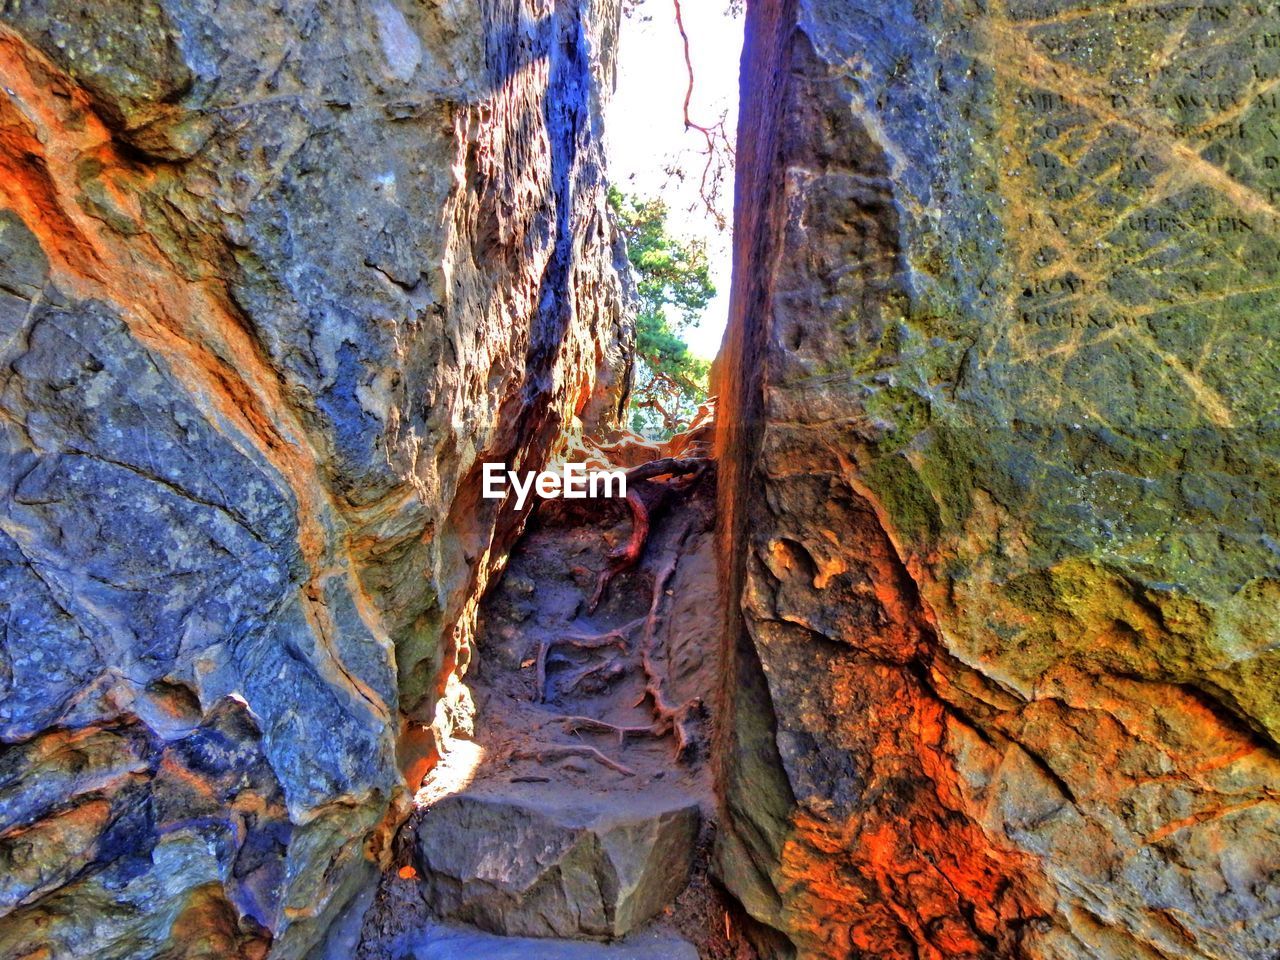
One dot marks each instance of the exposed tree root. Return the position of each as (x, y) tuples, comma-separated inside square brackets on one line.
[(628, 554), (617, 636), (669, 718), (555, 751), (577, 724), (607, 670)]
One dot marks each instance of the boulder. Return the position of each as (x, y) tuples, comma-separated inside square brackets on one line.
[(459, 943), (533, 860)]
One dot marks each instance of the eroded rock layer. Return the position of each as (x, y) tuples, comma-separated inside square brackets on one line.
[(273, 280), (998, 486)]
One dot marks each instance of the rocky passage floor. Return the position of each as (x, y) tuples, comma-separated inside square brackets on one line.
[(581, 811)]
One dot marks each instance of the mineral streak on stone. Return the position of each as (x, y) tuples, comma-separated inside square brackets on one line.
[(998, 480), (274, 280)]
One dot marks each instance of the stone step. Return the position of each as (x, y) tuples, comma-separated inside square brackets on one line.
[(463, 943), (537, 860)]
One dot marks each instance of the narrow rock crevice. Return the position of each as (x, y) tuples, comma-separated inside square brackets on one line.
[(952, 637), (578, 805)]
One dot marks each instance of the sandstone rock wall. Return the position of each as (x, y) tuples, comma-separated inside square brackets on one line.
[(273, 279), (999, 444)]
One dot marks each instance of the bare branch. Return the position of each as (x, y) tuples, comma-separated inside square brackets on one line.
[(717, 138)]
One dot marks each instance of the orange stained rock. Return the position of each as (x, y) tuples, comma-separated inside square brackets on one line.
[(208, 927), (910, 872), (48, 129)]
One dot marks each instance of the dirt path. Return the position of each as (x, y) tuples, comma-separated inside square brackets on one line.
[(596, 661)]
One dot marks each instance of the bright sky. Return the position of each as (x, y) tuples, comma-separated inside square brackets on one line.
[(646, 135)]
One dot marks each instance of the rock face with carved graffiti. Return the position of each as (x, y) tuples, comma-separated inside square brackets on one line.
[(1000, 403)]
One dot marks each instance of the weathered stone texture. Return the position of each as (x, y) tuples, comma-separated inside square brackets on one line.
[(999, 439), (459, 943), (273, 278), (535, 861)]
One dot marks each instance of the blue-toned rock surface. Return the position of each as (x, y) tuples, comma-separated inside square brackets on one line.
[(274, 279)]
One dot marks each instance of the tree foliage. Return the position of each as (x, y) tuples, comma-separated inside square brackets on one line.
[(673, 280)]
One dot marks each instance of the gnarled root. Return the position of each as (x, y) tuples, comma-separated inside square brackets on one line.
[(628, 554), (616, 636), (555, 751), (576, 724), (605, 671), (668, 718)]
